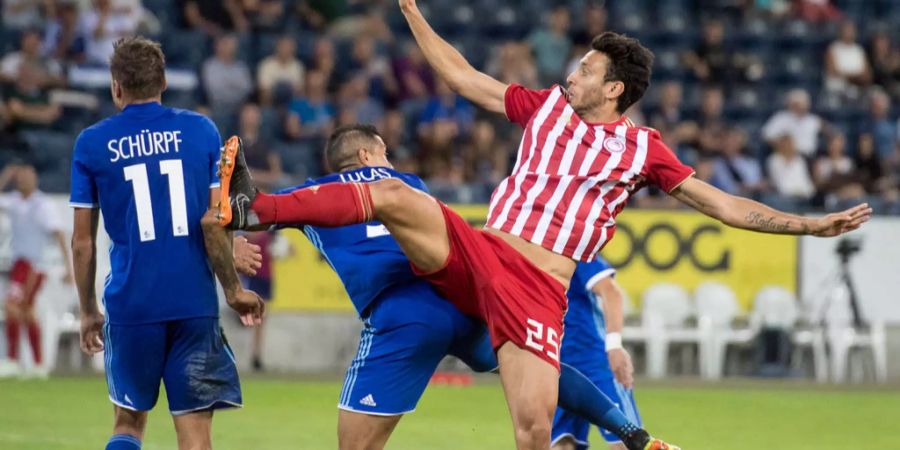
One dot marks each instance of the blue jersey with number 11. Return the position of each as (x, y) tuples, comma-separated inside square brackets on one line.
[(149, 169)]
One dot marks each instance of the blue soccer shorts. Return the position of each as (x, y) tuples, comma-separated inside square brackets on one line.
[(190, 356), (407, 332)]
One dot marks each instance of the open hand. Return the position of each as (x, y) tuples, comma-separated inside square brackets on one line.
[(247, 256), (837, 224), (92, 333), (623, 369), (249, 306)]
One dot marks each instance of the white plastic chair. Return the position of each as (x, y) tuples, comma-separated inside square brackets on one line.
[(843, 337), (666, 308), (718, 305), (777, 307)]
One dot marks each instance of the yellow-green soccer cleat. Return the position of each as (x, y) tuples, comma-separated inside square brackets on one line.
[(656, 444)]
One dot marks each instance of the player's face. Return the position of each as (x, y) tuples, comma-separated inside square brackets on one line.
[(588, 90), (375, 156), (26, 180)]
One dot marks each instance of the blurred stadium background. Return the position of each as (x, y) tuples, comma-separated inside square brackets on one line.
[(793, 103)]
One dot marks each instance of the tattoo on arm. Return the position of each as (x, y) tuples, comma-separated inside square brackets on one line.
[(770, 224), (218, 248)]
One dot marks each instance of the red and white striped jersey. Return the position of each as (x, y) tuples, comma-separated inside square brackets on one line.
[(572, 177)]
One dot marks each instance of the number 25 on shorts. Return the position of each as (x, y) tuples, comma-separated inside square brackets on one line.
[(537, 340)]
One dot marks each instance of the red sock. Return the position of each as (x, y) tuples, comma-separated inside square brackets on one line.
[(12, 338), (326, 205), (34, 338)]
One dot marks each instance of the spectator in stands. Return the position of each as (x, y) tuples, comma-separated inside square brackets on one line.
[(28, 103), (24, 14), (734, 171), (264, 14), (816, 11), (710, 61), (226, 79), (514, 64), (885, 58), (668, 114), (594, 17), (483, 163), (46, 71), (710, 123), (797, 121), (414, 76), (355, 103), (63, 39), (281, 67), (846, 66), (551, 45), (213, 17), (871, 171), (323, 59), (102, 26), (364, 60), (395, 133), (261, 158), (833, 172), (313, 112), (880, 126), (446, 109), (789, 171)]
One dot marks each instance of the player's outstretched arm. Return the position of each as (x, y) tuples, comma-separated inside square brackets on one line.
[(218, 243), (84, 254), (476, 86), (744, 213)]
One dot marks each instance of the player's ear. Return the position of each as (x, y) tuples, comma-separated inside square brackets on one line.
[(363, 156), (614, 89)]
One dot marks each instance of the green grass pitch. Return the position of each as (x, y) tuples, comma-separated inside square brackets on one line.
[(74, 413)]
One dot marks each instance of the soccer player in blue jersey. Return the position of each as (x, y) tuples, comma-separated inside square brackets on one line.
[(408, 327), (151, 171), (593, 345)]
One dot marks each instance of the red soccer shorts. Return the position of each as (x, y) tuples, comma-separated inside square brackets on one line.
[(24, 283), (486, 278)]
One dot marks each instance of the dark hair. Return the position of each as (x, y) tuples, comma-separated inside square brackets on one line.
[(345, 141), (629, 62), (138, 64)]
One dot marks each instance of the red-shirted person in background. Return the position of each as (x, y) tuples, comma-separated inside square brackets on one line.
[(33, 222)]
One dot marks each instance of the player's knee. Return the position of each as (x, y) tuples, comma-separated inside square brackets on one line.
[(130, 422), (534, 434)]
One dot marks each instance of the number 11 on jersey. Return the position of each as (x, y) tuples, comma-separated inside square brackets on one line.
[(137, 175)]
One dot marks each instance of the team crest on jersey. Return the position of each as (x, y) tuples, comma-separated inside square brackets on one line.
[(614, 145)]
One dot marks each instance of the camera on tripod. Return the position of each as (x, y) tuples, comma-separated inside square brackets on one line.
[(848, 247)]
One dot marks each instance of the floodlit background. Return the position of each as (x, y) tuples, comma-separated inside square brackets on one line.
[(793, 103)]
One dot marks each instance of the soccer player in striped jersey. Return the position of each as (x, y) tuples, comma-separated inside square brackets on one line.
[(151, 171), (408, 327), (579, 160)]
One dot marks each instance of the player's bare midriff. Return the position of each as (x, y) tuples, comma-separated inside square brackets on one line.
[(556, 265)]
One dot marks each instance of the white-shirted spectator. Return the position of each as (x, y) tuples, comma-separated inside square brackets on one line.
[(102, 26), (280, 67), (846, 65), (788, 170), (798, 122), (21, 14), (47, 70), (226, 79)]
